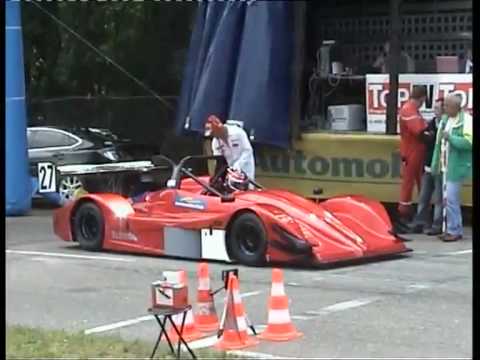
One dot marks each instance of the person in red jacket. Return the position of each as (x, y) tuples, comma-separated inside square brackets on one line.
[(412, 149)]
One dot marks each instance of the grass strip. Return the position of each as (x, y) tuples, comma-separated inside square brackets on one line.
[(35, 343)]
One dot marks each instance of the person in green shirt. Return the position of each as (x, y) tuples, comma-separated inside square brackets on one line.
[(454, 138)]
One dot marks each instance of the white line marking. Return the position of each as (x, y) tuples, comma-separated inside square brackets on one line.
[(256, 355), (46, 259), (342, 306), (293, 284), (418, 286), (212, 340), (461, 252), (73, 256), (117, 325), (251, 293), (202, 343), (349, 304), (300, 317)]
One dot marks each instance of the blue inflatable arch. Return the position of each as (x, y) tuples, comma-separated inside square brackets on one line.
[(17, 180)]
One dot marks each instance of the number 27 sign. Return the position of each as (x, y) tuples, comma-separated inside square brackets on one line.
[(47, 181)]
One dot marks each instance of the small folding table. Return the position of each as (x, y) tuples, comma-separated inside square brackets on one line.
[(164, 314)]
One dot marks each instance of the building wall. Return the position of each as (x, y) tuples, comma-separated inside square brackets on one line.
[(429, 28)]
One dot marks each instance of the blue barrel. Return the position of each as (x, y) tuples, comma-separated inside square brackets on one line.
[(18, 200)]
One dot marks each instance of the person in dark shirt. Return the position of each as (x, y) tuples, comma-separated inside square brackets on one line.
[(431, 187)]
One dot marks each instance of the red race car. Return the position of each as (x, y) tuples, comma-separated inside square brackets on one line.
[(192, 219)]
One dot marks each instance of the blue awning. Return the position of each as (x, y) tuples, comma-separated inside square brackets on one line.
[(239, 66)]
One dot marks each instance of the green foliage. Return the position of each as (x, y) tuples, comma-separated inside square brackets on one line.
[(28, 343), (35, 343), (148, 39)]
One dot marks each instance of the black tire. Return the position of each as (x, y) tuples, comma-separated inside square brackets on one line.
[(247, 240), (89, 227)]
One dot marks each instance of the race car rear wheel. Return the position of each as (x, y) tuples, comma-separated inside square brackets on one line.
[(247, 240), (89, 226)]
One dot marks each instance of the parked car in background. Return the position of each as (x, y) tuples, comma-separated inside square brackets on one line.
[(63, 146)]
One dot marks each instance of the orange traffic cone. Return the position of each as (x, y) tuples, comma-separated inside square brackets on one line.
[(190, 331), (206, 318), (279, 327), (234, 323)]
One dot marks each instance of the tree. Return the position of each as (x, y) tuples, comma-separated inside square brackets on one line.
[(148, 39)]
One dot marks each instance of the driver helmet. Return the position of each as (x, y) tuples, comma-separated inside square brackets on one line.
[(213, 126), (236, 180)]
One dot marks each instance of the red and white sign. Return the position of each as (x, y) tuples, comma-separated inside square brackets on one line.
[(438, 85)]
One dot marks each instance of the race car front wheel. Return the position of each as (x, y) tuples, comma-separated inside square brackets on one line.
[(88, 226), (247, 240)]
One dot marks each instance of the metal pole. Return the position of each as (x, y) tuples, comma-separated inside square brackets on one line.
[(393, 61), (299, 19)]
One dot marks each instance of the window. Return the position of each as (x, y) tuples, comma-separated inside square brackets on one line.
[(49, 138)]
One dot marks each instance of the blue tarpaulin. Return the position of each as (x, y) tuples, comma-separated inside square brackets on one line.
[(239, 67)]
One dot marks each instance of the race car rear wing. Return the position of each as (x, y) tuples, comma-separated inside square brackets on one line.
[(128, 166), (157, 163)]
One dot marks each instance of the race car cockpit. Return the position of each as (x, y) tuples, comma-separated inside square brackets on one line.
[(224, 182)]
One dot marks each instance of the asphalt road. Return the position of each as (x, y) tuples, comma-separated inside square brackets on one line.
[(419, 305)]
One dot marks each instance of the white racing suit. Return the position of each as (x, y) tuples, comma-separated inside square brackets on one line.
[(237, 150)]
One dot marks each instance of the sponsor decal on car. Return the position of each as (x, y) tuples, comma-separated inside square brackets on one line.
[(190, 202), (124, 235)]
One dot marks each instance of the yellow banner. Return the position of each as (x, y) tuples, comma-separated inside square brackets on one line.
[(323, 165)]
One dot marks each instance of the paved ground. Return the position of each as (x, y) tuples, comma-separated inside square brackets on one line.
[(419, 305)]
